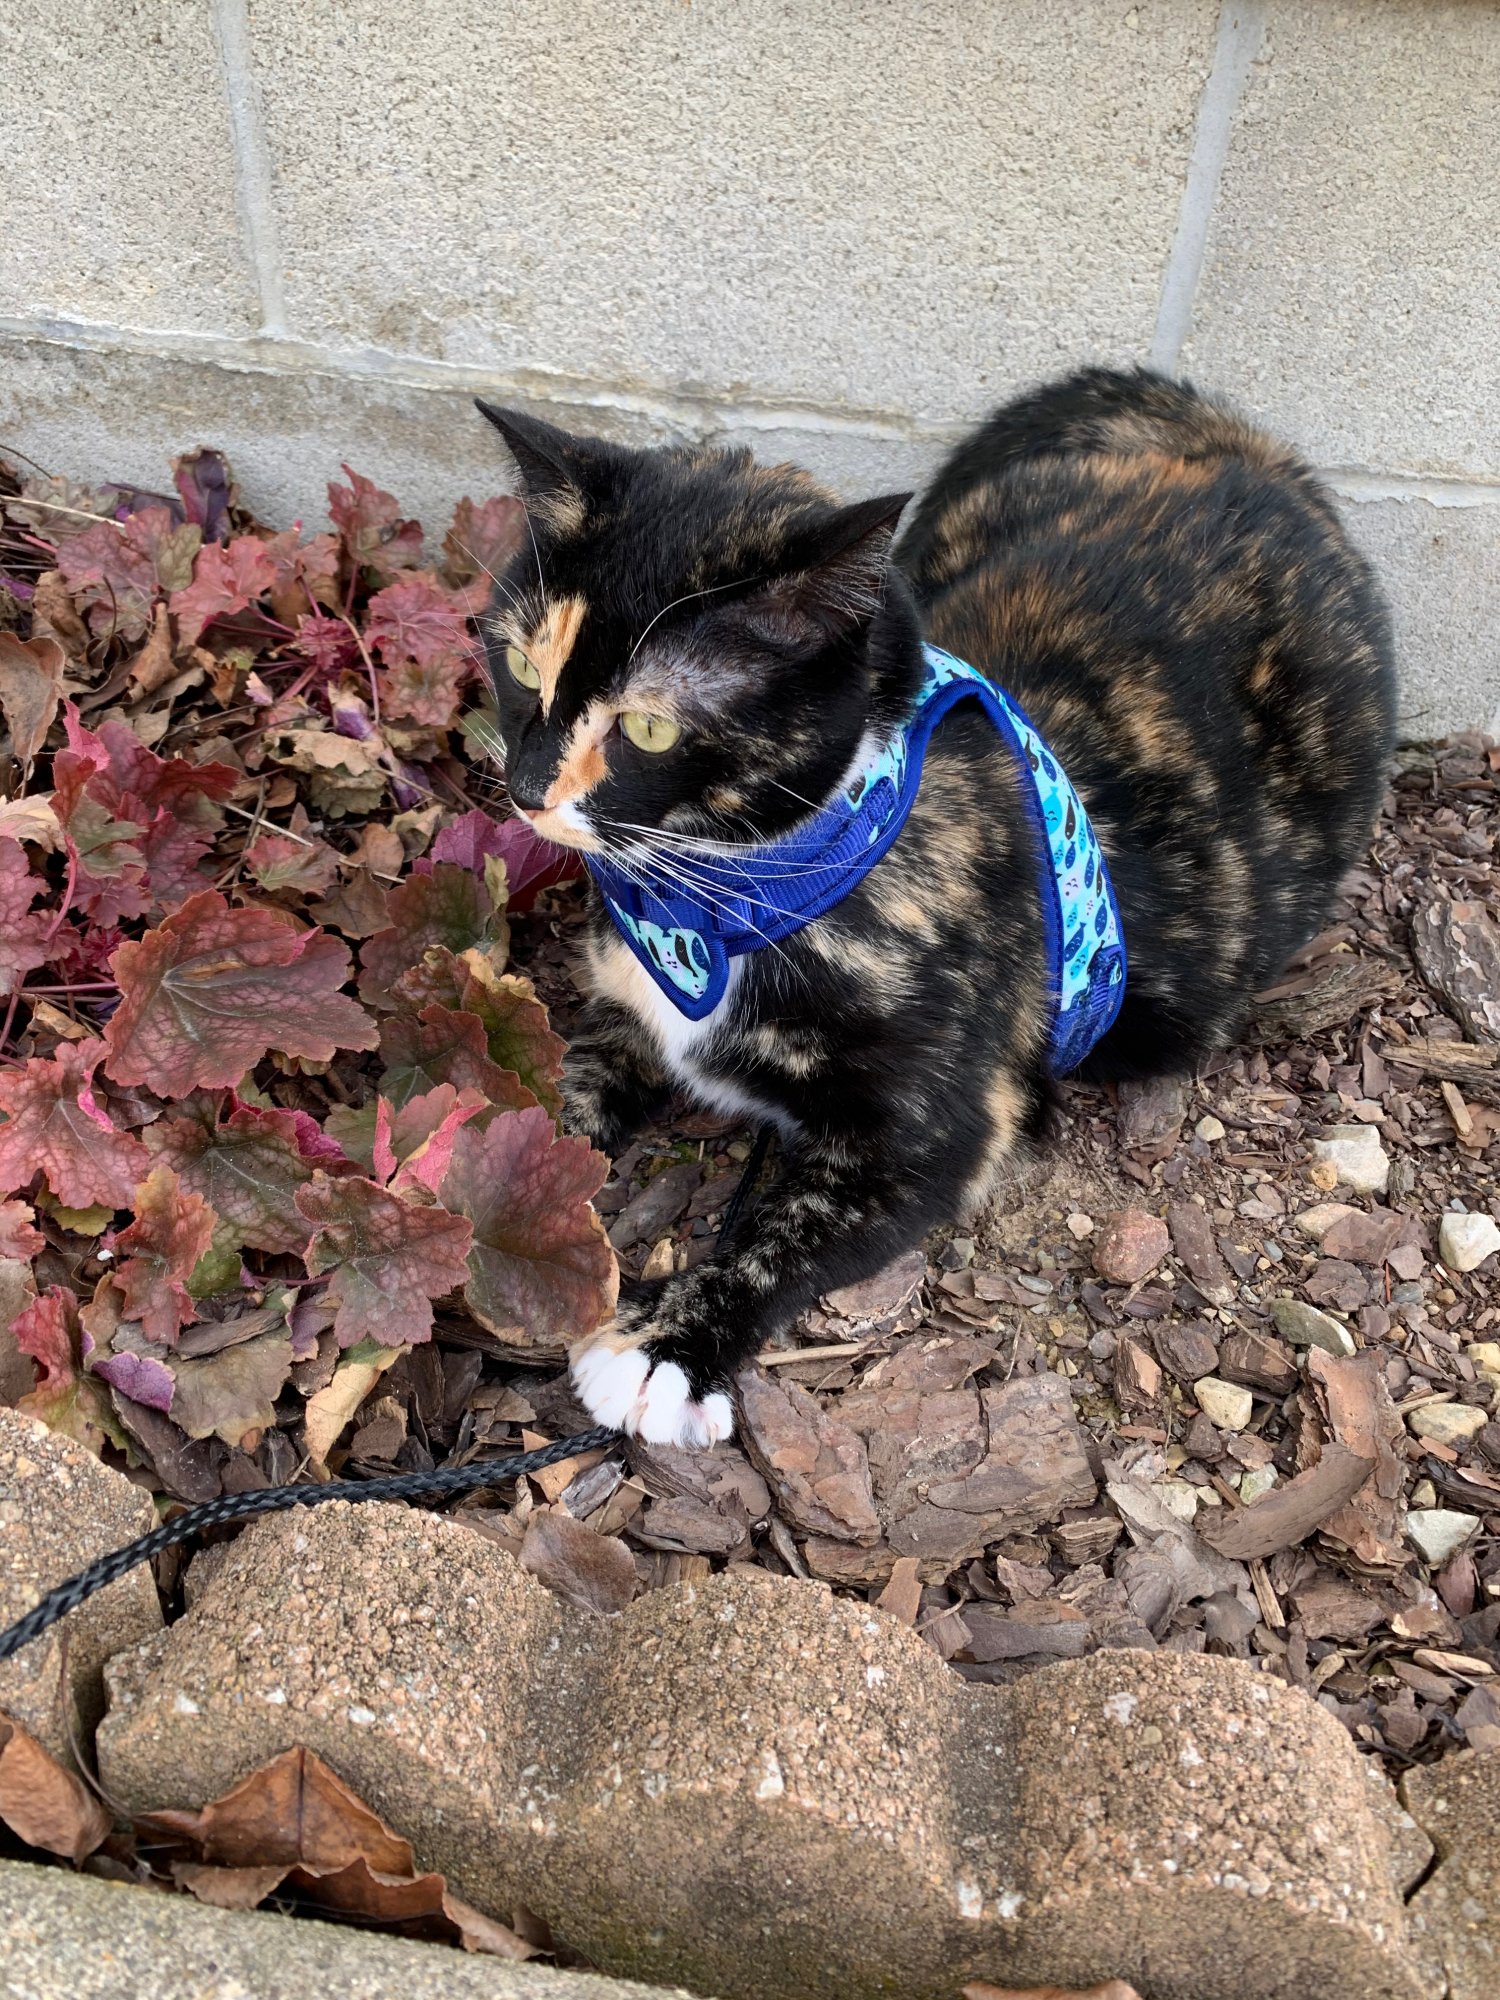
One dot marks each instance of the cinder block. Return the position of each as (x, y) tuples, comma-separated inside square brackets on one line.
[(1351, 284), (119, 171), (1440, 566), (102, 411), (766, 1792), (882, 205)]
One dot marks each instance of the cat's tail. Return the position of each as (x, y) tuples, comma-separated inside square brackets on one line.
[(1103, 412)]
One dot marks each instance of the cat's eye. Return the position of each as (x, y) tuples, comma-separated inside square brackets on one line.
[(521, 668), (649, 732)]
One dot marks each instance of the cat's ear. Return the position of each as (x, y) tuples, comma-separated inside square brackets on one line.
[(834, 574), (552, 463)]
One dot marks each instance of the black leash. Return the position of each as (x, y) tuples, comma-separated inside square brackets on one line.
[(444, 1481), (440, 1483)]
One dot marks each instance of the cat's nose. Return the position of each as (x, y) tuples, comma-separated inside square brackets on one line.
[(527, 795)]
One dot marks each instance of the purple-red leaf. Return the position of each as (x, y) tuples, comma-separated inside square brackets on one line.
[(541, 1272), (449, 907), (204, 996), (161, 1249), (425, 695), (389, 1259), (531, 863), (442, 1045), (248, 1167), (416, 619), (109, 579), (144, 1378), (19, 1236), (479, 545), (52, 1125), (415, 1144), (517, 1035), (31, 676), (207, 490), (370, 528), (25, 940), (278, 862), (226, 579), (65, 1399)]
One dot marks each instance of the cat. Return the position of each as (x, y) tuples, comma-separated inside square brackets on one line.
[(698, 658)]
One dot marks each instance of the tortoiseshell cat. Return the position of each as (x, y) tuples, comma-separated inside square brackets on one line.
[(693, 652)]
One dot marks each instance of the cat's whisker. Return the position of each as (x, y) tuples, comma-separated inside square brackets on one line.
[(717, 903), (719, 852), (715, 893), (738, 583), (536, 552)]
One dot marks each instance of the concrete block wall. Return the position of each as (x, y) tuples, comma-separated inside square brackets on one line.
[(310, 230)]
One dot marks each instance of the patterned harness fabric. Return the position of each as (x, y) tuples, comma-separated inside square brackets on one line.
[(755, 896)]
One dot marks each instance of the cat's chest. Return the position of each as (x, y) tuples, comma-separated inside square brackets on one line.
[(694, 1054)]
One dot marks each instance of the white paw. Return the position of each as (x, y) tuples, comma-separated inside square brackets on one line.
[(618, 1386)]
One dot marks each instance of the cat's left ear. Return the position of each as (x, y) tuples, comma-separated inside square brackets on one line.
[(551, 461), (834, 574)]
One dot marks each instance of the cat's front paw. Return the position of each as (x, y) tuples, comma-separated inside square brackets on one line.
[(623, 1379), (587, 1112)]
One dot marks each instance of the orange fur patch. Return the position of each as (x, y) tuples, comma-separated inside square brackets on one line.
[(551, 644), (583, 763)]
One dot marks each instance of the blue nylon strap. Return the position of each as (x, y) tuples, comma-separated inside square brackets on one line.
[(756, 896)]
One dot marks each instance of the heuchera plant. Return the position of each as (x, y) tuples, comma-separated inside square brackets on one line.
[(269, 1096)]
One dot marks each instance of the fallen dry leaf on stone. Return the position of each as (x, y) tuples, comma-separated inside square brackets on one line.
[(294, 1828), (44, 1803), (593, 1571)]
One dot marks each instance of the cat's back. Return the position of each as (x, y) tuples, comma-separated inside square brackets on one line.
[(1101, 453), (1116, 546), (1171, 596)]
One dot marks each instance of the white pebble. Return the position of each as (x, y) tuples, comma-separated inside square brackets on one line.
[(1228, 1404), (1464, 1241), (1440, 1532)]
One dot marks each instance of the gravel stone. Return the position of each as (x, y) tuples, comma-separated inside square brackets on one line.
[(1357, 1156), (1447, 1423), (1129, 1246), (1305, 1326), (1230, 1406), (1464, 1241), (1440, 1532)]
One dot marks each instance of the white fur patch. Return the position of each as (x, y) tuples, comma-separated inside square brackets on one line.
[(620, 1387), (685, 1045), (609, 1383)]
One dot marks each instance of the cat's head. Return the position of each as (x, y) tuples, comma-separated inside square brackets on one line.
[(688, 643)]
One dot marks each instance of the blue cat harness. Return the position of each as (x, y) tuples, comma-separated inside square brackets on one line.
[(747, 898)]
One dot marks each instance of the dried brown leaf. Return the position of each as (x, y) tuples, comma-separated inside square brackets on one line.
[(42, 1801)]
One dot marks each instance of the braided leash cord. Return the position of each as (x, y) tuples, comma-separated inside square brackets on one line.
[(280, 1499), (277, 1500)]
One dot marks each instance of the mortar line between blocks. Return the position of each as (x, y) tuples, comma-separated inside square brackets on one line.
[(279, 354), (254, 194), (273, 353), (1237, 44)]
